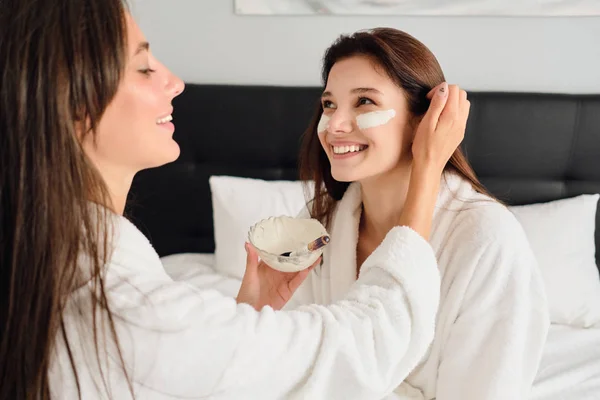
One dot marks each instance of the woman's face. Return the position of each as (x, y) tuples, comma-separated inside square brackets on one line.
[(365, 128), (136, 131)]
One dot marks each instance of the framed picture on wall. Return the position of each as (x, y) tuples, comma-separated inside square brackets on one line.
[(420, 7)]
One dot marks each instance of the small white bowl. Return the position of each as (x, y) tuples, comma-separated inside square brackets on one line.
[(277, 235)]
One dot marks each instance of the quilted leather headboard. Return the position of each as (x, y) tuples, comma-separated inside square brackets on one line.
[(526, 148)]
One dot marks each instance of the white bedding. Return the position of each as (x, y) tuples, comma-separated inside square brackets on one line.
[(570, 368)]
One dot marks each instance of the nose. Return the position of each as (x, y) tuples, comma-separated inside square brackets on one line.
[(340, 122), (174, 84)]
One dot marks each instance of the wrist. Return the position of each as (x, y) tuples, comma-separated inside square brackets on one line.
[(425, 177), (426, 169), (421, 198)]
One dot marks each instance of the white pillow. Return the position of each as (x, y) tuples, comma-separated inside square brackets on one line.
[(238, 203), (561, 234)]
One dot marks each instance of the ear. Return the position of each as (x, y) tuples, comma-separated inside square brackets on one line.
[(411, 127), (415, 120), (83, 129)]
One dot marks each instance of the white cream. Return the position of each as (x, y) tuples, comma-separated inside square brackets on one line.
[(323, 123), (374, 119)]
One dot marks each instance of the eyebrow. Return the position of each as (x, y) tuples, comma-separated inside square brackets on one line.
[(141, 47), (361, 90)]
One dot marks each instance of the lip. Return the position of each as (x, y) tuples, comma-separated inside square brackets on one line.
[(345, 143), (347, 155), (169, 126), (165, 115)]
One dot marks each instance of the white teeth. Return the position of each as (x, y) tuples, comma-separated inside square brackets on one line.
[(164, 120), (348, 149)]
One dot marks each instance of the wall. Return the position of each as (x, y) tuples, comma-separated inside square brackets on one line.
[(203, 41)]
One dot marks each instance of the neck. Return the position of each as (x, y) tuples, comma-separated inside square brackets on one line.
[(383, 199), (118, 183)]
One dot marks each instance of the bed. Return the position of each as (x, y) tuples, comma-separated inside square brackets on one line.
[(527, 148)]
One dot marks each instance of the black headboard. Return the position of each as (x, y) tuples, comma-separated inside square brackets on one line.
[(526, 148)]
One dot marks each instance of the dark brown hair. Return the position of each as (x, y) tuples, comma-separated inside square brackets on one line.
[(413, 67), (61, 63)]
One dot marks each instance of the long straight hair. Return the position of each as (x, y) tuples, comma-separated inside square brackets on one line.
[(61, 63), (413, 67)]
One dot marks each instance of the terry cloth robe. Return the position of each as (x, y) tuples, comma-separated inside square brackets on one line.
[(493, 316), (181, 342)]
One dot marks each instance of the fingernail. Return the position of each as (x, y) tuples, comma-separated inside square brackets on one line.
[(443, 90)]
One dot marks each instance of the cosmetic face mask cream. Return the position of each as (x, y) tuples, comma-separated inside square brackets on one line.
[(275, 236), (323, 123), (364, 121), (374, 119)]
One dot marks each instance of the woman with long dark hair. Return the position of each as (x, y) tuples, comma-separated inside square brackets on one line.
[(493, 318), (86, 308)]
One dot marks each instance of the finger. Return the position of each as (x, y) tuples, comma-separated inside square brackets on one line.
[(454, 93), (467, 110), (464, 106), (432, 91), (461, 118), (301, 276), (251, 258), (451, 109), (436, 106)]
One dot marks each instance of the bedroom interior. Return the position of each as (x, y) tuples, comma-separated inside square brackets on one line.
[(533, 137)]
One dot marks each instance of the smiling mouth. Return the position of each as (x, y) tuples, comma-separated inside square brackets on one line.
[(341, 150), (164, 120)]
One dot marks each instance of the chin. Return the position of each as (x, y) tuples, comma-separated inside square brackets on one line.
[(165, 155), (356, 174), (345, 175), (172, 153)]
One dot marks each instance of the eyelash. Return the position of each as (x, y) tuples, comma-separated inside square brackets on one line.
[(147, 71), (327, 104), (360, 102), (361, 99)]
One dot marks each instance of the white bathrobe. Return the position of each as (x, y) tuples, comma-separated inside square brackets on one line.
[(180, 342), (492, 321)]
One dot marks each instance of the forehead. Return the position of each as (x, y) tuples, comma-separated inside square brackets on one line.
[(134, 34), (357, 71)]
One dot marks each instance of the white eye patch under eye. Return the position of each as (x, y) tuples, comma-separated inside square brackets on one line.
[(323, 123), (374, 119)]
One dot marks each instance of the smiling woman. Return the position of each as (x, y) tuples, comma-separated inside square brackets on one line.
[(136, 132), (83, 109), (358, 151)]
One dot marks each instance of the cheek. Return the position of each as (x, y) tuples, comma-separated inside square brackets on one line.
[(115, 121), (124, 125), (324, 144), (134, 111), (141, 103), (387, 136), (323, 123), (391, 141)]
